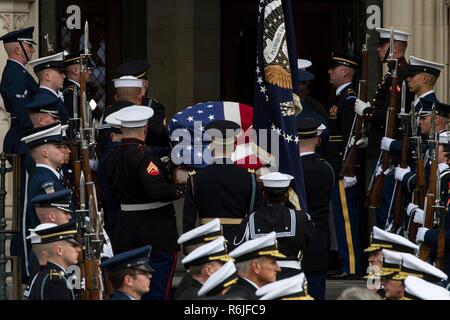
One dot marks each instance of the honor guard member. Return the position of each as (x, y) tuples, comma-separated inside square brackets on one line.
[(375, 112), (421, 77), (45, 148), (292, 288), (43, 111), (72, 63), (346, 194), (128, 93), (222, 189), (220, 282), (193, 239), (41, 254), (146, 199), (202, 263), (52, 282), (16, 88), (318, 195), (157, 135), (129, 273), (419, 289), (405, 175), (51, 74), (256, 263), (293, 228)]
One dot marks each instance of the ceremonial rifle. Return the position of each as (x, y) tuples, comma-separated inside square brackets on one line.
[(419, 192), (93, 231), (351, 161), (376, 188), (399, 193), (430, 198), (439, 218)]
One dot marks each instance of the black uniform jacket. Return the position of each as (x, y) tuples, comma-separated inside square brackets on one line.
[(51, 284)]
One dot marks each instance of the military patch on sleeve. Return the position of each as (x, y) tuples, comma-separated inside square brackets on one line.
[(152, 169), (48, 187)]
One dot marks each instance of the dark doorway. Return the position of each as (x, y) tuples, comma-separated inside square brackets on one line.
[(321, 27)]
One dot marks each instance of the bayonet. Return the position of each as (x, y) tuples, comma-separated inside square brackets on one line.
[(49, 45), (75, 102), (403, 100), (86, 38)]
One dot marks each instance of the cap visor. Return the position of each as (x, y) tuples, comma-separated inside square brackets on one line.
[(145, 267)]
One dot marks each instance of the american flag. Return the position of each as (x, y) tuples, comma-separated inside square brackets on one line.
[(276, 90), (191, 122)]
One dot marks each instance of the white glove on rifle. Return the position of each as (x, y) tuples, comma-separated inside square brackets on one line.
[(419, 216), (351, 143), (400, 173), (442, 167), (362, 143), (360, 106), (386, 143), (378, 170), (349, 182), (410, 209), (389, 227), (420, 236)]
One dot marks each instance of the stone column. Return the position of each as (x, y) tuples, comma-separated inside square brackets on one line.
[(428, 21), (16, 14)]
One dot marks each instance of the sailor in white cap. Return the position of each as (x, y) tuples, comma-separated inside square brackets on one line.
[(256, 264), (292, 288), (128, 88), (419, 289), (50, 71), (220, 282), (202, 263), (193, 239), (293, 228), (141, 183)]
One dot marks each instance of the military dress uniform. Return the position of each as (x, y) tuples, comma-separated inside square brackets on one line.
[(52, 282), (318, 193), (146, 200), (345, 199)]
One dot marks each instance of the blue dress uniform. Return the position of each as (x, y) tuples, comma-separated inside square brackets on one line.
[(376, 116), (146, 196), (345, 201), (293, 228), (318, 194), (52, 282), (221, 190), (55, 62), (16, 88), (43, 179), (126, 263)]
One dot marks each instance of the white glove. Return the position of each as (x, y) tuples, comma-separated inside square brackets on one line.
[(420, 237), (362, 143), (351, 142), (410, 209), (400, 173), (389, 227), (378, 170), (349, 182), (386, 143), (360, 106), (93, 164), (442, 167), (419, 216)]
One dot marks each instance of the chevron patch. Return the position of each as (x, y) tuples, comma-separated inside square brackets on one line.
[(152, 169)]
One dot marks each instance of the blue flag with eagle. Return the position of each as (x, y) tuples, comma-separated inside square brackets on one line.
[(276, 101)]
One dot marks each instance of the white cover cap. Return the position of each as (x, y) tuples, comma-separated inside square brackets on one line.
[(276, 180), (128, 82), (303, 64), (205, 229), (209, 249), (224, 277), (259, 247), (424, 290), (134, 116), (282, 288), (422, 65), (398, 35), (411, 262), (34, 237)]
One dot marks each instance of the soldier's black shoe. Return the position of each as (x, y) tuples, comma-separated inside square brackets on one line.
[(341, 275)]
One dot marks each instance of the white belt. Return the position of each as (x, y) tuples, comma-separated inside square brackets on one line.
[(293, 264), (143, 206)]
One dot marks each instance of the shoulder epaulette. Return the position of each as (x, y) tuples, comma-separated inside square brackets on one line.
[(56, 274), (251, 170), (153, 99), (191, 173)]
